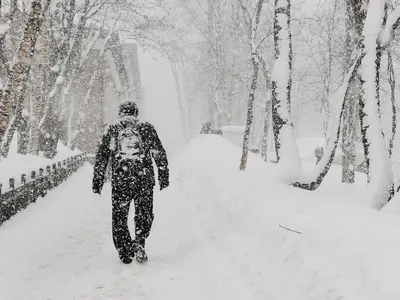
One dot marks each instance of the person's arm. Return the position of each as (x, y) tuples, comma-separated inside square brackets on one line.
[(160, 157), (101, 161)]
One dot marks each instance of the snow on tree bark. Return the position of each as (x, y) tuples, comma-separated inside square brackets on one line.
[(68, 60), (18, 124), (21, 67), (313, 180), (285, 143), (377, 155), (392, 83), (268, 108), (392, 23), (267, 121), (348, 133), (255, 63), (350, 109)]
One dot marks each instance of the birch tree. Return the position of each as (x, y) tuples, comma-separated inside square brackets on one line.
[(377, 155), (285, 144), (350, 119), (21, 67), (254, 20)]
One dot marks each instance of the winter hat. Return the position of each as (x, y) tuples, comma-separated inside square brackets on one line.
[(128, 108)]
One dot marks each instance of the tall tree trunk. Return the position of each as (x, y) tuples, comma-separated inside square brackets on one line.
[(23, 135), (254, 59), (392, 83), (246, 139), (380, 187), (268, 109), (350, 110), (348, 133), (285, 142), (13, 8), (18, 123), (21, 67), (68, 61), (313, 180), (35, 101), (267, 122)]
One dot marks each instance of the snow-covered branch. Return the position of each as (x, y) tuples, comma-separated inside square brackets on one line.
[(392, 23)]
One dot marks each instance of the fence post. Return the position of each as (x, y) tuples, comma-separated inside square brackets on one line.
[(48, 177), (23, 179), (55, 175), (18, 197), (42, 185), (33, 192), (12, 183)]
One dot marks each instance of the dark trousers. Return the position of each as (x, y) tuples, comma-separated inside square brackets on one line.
[(121, 202)]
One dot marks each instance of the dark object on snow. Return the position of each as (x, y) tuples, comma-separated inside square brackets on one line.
[(216, 131), (207, 129), (255, 150), (319, 153), (288, 229), (130, 145)]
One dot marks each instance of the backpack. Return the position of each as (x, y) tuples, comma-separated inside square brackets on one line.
[(129, 149)]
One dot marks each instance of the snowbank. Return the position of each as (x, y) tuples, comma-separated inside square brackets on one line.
[(345, 251)]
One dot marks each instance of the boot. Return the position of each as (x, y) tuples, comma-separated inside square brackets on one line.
[(126, 259), (139, 252)]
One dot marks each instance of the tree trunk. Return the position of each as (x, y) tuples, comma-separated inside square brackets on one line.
[(20, 70), (380, 187), (285, 142), (337, 102), (53, 109), (350, 110), (254, 59), (23, 135), (392, 83), (348, 133), (246, 139), (267, 121), (35, 100)]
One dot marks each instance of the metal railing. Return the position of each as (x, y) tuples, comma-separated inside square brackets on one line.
[(17, 197)]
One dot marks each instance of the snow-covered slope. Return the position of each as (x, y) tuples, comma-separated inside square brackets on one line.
[(216, 236)]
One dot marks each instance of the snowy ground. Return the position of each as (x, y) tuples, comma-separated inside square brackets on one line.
[(216, 236)]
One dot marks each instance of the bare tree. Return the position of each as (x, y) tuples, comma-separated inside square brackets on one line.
[(285, 144), (21, 67), (392, 83), (254, 20), (377, 155), (351, 102)]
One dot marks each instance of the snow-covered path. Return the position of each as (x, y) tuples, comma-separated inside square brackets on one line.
[(215, 236), (61, 248)]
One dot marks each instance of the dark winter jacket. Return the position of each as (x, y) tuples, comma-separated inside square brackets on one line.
[(138, 171)]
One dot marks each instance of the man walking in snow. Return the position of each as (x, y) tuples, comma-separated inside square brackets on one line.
[(130, 145)]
